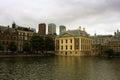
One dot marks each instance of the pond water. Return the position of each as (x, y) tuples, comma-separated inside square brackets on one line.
[(59, 68)]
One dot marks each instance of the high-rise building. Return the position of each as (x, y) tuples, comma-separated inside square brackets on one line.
[(42, 29), (51, 28), (62, 29)]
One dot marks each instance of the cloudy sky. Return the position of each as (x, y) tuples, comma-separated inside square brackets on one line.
[(100, 16)]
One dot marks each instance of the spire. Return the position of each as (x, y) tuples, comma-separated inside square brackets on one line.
[(95, 38), (79, 27), (13, 25), (13, 22), (114, 32), (95, 34), (83, 29)]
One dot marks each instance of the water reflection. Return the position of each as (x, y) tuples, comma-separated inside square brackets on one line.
[(59, 68)]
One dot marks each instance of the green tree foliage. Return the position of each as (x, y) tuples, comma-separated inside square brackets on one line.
[(1, 47), (37, 43), (49, 44), (26, 46), (12, 46)]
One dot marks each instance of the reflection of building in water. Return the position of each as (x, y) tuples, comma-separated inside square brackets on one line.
[(73, 43), (68, 64)]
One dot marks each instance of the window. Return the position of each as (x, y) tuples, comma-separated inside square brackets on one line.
[(71, 47), (70, 40), (61, 41), (61, 47), (3, 42), (57, 41), (58, 47), (7, 42), (66, 47), (75, 52), (66, 40), (66, 53), (14, 38), (19, 33)]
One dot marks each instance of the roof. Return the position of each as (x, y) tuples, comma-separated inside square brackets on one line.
[(5, 29), (74, 33), (23, 28), (117, 35)]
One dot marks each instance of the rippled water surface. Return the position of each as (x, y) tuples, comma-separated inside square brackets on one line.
[(59, 68)]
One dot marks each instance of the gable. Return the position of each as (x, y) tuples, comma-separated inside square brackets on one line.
[(66, 35)]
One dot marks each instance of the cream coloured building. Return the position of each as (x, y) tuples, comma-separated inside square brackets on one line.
[(73, 43)]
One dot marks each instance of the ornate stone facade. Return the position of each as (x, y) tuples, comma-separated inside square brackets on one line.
[(15, 34), (73, 43)]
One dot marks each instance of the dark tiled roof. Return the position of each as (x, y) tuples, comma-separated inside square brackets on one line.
[(5, 29), (23, 28), (77, 32)]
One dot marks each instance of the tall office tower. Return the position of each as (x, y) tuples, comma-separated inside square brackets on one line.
[(42, 29), (51, 28), (62, 29)]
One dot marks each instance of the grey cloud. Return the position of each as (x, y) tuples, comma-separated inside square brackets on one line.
[(90, 13)]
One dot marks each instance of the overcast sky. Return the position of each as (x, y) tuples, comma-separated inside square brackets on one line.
[(100, 16)]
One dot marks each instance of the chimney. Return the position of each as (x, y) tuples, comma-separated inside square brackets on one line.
[(115, 33), (117, 30), (83, 29), (8, 26), (79, 27)]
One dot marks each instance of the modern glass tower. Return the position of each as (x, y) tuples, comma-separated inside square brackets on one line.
[(51, 28)]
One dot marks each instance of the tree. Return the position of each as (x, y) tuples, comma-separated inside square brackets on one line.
[(12, 46), (1, 47), (109, 52), (49, 44), (26, 46), (37, 43)]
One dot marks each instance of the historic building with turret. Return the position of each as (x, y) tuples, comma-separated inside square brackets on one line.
[(99, 43), (15, 34), (114, 43)]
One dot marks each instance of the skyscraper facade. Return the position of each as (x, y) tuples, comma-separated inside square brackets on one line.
[(42, 29), (62, 29), (51, 28)]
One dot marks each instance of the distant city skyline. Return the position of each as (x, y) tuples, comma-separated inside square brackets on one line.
[(52, 28), (100, 16)]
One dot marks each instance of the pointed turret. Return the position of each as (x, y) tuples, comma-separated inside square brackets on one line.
[(13, 25)]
